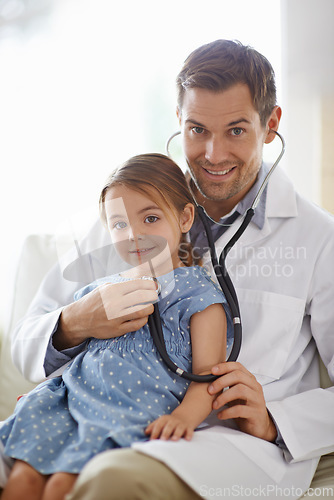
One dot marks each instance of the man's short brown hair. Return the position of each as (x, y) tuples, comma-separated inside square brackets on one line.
[(221, 64)]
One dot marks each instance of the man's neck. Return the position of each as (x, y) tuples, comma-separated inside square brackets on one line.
[(214, 208)]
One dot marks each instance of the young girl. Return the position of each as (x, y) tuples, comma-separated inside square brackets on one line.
[(118, 390)]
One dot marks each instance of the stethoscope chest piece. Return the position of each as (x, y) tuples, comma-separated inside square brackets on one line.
[(157, 284)]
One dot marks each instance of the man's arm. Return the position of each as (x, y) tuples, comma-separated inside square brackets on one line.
[(31, 336), (53, 317), (242, 399), (110, 310), (305, 420)]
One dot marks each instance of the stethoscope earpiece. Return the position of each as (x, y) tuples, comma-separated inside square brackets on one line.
[(169, 140)]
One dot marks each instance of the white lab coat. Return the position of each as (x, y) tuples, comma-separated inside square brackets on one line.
[(284, 276)]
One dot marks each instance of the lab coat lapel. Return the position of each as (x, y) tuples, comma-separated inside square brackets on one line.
[(281, 202), (281, 196)]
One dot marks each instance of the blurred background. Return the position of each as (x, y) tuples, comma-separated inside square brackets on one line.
[(84, 84)]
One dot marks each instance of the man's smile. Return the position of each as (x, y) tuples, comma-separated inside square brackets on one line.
[(214, 174), (219, 172)]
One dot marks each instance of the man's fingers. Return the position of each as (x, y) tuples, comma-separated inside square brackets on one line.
[(227, 367), (231, 378), (132, 325), (134, 285), (242, 400), (126, 306), (234, 412), (139, 297), (238, 392), (136, 297), (133, 312)]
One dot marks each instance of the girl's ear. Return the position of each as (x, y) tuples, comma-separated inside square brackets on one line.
[(187, 217)]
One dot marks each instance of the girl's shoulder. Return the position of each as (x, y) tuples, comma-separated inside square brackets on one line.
[(198, 279), (196, 273)]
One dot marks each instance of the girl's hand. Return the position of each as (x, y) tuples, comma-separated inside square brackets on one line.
[(169, 427)]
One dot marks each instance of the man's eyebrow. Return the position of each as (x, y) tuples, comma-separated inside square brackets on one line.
[(194, 122), (231, 124), (238, 122)]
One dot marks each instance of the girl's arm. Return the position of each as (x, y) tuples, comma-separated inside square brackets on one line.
[(208, 338)]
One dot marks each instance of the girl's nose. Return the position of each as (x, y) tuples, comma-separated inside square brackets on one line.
[(134, 233)]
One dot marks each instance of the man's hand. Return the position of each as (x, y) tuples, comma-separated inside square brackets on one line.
[(108, 311), (244, 398), (169, 427)]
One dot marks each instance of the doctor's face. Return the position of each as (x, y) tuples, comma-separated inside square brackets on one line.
[(222, 141)]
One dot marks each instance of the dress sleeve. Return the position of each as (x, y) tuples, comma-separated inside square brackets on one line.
[(202, 292), (83, 291)]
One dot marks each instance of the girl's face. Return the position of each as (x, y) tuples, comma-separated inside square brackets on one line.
[(141, 231)]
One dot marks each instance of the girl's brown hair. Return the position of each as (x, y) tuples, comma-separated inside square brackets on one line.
[(160, 178)]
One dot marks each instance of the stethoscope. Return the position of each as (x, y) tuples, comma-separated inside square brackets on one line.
[(223, 278)]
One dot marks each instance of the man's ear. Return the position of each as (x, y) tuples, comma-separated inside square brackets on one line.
[(187, 217), (178, 114), (273, 124)]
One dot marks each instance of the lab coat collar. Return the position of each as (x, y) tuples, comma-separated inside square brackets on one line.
[(281, 199), (281, 203)]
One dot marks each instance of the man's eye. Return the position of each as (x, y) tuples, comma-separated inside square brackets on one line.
[(198, 130), (119, 225), (151, 218), (236, 131)]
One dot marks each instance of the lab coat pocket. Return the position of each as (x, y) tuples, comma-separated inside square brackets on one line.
[(271, 323)]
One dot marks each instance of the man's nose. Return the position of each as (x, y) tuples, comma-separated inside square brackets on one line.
[(216, 150)]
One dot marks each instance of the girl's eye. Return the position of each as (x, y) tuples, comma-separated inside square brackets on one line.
[(236, 131), (198, 130), (151, 218), (119, 225)]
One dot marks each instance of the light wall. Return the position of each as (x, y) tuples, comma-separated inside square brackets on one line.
[(84, 84), (327, 147), (308, 93)]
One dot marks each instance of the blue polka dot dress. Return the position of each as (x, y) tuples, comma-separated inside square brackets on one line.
[(110, 392)]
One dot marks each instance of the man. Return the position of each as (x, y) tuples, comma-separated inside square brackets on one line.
[(272, 421)]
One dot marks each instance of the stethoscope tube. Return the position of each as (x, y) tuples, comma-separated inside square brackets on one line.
[(154, 323), (223, 279)]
